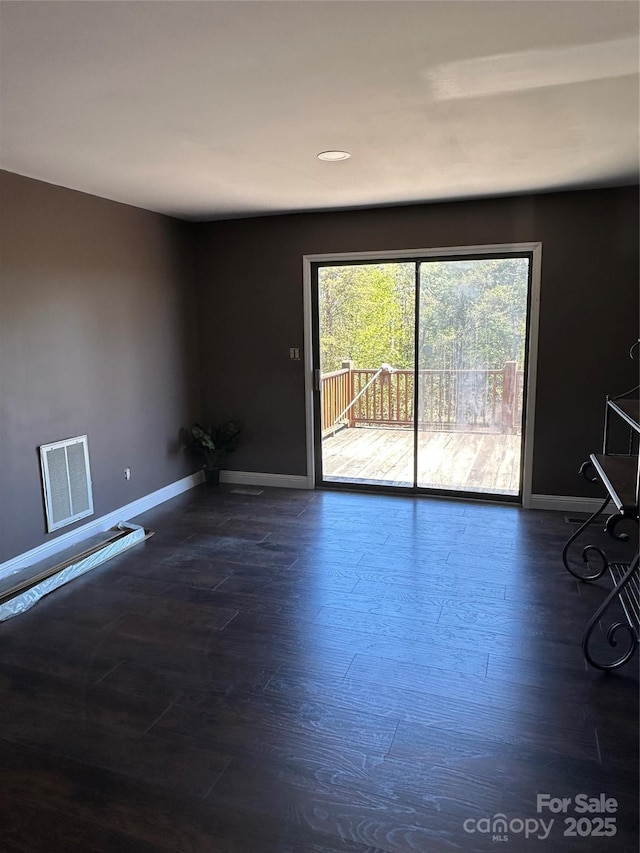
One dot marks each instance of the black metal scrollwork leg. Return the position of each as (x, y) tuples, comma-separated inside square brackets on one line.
[(619, 614), (612, 523), (587, 550), (614, 630)]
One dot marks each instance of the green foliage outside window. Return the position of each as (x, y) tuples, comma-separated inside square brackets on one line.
[(472, 314)]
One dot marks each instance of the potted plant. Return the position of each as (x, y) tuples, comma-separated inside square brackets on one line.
[(212, 444)]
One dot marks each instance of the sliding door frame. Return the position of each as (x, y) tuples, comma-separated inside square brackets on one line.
[(443, 253)]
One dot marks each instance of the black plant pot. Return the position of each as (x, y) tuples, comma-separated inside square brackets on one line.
[(212, 477)]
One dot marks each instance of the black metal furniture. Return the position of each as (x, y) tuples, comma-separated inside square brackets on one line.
[(619, 614)]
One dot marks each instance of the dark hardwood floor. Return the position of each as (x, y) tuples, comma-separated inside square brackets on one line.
[(316, 672)]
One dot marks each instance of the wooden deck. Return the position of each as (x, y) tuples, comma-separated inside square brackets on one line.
[(465, 461)]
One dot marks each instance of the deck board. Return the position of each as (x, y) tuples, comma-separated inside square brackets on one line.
[(466, 461)]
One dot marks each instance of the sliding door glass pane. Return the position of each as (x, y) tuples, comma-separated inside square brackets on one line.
[(471, 338), (367, 335)]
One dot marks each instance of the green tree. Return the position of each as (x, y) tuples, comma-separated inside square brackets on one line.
[(367, 315), (472, 314)]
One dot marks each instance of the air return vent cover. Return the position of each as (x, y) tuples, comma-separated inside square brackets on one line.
[(66, 480)]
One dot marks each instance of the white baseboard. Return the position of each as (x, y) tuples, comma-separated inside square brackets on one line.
[(98, 525), (560, 503), (24, 599), (254, 478), (565, 503)]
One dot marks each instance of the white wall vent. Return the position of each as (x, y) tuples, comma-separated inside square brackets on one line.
[(66, 479)]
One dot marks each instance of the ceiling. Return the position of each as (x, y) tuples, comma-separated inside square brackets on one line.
[(207, 110)]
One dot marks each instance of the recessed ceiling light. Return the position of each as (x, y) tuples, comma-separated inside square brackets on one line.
[(333, 156)]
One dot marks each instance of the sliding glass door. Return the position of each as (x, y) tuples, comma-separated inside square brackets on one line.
[(420, 373), (472, 332), (367, 322)]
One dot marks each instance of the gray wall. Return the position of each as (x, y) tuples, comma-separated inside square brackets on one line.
[(96, 336), (99, 314), (250, 280)]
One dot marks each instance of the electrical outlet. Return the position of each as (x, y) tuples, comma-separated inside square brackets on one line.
[(127, 473)]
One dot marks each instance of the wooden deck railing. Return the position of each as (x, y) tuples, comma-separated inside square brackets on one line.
[(482, 400), (336, 396)]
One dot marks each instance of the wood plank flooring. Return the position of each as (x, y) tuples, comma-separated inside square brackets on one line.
[(465, 461), (314, 672)]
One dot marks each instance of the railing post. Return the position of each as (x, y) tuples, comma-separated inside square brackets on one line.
[(324, 404), (347, 364), (509, 391)]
